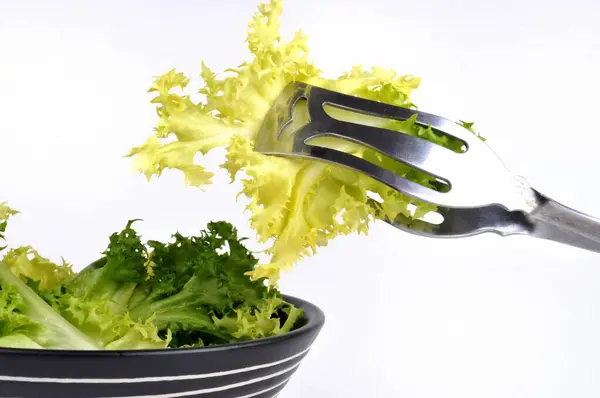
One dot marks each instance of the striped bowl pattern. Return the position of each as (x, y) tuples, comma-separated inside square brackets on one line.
[(257, 369)]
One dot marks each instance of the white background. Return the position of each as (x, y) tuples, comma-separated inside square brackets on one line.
[(407, 317)]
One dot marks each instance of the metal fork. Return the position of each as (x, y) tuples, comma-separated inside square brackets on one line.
[(483, 196)]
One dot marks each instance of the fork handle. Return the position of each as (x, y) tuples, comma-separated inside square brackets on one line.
[(554, 221)]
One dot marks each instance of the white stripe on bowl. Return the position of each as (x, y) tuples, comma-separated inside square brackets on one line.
[(254, 394), (148, 379), (223, 388)]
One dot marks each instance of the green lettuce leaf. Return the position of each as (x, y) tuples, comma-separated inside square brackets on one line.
[(40, 298), (198, 289), (18, 340), (24, 313), (28, 265), (109, 330), (190, 292), (5, 213)]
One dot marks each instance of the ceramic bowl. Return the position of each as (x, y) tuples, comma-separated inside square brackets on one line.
[(259, 368)]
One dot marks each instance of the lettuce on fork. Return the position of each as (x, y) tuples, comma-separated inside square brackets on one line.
[(190, 292), (295, 205)]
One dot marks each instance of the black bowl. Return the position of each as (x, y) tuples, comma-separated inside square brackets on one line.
[(258, 369)]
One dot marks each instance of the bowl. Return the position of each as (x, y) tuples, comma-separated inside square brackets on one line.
[(259, 368)]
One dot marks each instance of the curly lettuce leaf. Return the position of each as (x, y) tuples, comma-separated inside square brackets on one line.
[(172, 294), (18, 340), (190, 292), (248, 323), (5, 213), (116, 275), (26, 320), (110, 330), (295, 205), (24, 313), (39, 297), (12, 320), (28, 265), (198, 287)]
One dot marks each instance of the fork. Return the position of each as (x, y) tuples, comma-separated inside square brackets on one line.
[(481, 195)]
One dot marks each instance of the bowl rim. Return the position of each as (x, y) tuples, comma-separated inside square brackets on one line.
[(314, 316)]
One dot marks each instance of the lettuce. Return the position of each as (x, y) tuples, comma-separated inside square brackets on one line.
[(5, 213), (26, 320), (190, 292), (295, 206)]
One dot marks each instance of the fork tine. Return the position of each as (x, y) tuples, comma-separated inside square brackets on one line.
[(412, 151), (392, 180), (477, 167), (374, 108)]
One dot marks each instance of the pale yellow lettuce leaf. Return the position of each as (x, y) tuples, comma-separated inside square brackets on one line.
[(294, 205)]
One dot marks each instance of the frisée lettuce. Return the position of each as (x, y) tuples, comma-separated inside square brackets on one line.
[(189, 292), (295, 205)]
